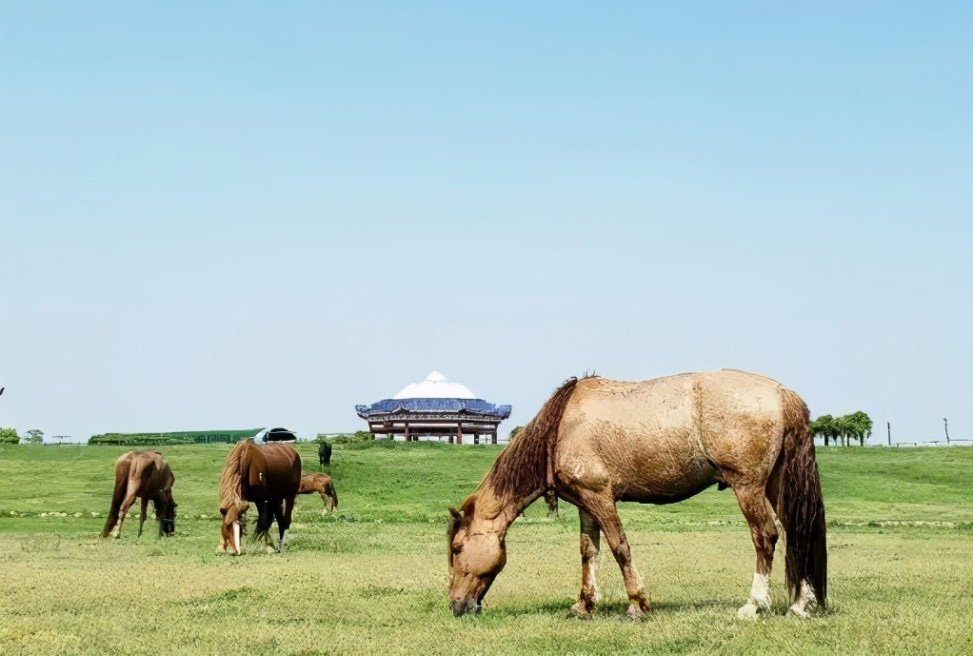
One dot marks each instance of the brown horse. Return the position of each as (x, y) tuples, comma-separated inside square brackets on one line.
[(270, 477), (596, 442), (144, 474), (320, 483)]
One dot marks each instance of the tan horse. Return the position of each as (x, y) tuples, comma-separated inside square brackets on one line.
[(320, 483), (596, 442), (269, 476), (144, 474)]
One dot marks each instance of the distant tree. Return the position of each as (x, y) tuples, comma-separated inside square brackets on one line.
[(844, 429), (34, 436), (516, 431), (9, 436), (826, 428), (859, 426)]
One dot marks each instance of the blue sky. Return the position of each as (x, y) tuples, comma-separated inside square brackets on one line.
[(247, 214)]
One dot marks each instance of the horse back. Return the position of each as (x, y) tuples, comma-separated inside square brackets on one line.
[(666, 439), (280, 466), (151, 471)]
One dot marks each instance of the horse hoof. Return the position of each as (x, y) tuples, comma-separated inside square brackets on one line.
[(581, 610), (748, 611), (635, 613), (271, 550), (799, 611)]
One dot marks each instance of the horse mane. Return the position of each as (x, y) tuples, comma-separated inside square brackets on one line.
[(524, 466), (231, 480)]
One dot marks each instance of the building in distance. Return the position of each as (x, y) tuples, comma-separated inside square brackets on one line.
[(435, 407)]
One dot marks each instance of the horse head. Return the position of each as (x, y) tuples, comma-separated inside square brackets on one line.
[(234, 521), (169, 516), (477, 553)]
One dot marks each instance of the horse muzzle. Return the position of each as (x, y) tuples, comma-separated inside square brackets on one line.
[(465, 606)]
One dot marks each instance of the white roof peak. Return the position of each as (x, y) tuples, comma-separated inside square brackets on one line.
[(435, 386)]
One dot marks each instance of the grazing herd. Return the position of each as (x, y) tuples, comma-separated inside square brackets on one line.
[(267, 476), (594, 443)]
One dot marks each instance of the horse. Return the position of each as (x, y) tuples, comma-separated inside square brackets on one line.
[(324, 454), (596, 442), (267, 475), (320, 483), (144, 474)]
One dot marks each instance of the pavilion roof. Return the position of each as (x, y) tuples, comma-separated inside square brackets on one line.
[(435, 394)]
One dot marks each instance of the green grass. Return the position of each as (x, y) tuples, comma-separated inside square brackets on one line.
[(372, 580)]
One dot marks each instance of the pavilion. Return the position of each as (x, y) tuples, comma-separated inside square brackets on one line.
[(434, 407)]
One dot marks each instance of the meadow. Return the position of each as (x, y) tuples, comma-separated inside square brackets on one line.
[(372, 578)]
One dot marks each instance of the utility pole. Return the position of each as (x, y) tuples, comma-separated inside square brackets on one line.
[(888, 425), (946, 428)]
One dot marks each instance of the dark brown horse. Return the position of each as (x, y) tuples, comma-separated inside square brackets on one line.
[(144, 474), (269, 476), (320, 483), (597, 442)]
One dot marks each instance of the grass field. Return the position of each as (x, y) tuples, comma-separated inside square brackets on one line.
[(372, 579)]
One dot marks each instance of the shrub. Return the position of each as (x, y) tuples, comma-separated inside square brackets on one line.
[(181, 437)]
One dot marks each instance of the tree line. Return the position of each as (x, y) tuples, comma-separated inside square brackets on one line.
[(842, 430), (10, 436)]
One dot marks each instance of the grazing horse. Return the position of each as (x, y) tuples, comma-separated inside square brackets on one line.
[(270, 477), (144, 474), (324, 454), (596, 442), (320, 483)]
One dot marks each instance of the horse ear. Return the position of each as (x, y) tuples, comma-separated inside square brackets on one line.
[(455, 513)]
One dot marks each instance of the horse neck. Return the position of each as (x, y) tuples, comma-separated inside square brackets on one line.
[(496, 513)]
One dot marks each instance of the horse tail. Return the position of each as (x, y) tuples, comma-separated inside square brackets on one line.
[(800, 506), (331, 492), (122, 467)]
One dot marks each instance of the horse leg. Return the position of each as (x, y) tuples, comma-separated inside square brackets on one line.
[(265, 521), (602, 508), (324, 500), (284, 521), (763, 530), (282, 512), (131, 493), (590, 544), (145, 505)]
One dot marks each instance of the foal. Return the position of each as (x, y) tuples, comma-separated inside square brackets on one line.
[(320, 483)]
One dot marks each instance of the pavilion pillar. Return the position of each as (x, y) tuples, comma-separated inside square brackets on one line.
[(476, 438), (451, 438), (459, 434), (494, 437), (407, 439)]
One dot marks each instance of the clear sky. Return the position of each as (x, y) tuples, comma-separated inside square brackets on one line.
[(241, 214)]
